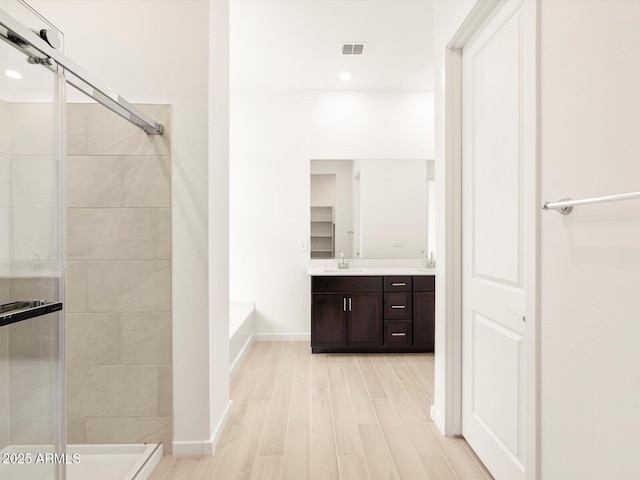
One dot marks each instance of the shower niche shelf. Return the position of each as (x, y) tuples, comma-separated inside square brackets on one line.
[(23, 310)]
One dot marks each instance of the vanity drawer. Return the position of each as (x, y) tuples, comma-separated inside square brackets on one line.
[(397, 305), (397, 284), (322, 284), (397, 333)]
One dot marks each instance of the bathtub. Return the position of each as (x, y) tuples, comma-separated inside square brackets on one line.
[(95, 462)]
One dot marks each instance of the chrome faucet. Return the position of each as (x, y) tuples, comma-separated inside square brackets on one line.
[(342, 263), (431, 261)]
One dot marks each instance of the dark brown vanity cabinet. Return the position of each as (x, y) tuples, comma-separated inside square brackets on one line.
[(372, 314), (346, 314), (424, 311)]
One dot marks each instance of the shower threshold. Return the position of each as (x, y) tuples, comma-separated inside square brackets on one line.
[(95, 462)]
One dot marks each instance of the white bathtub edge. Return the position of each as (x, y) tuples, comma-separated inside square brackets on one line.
[(150, 463)]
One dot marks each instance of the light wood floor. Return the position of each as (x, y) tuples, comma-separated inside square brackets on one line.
[(298, 416)]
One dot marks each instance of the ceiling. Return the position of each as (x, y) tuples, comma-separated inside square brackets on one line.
[(295, 44)]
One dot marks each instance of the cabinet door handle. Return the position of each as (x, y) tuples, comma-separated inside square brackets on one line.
[(398, 334), (349, 303), (344, 304), (399, 284), (398, 306)]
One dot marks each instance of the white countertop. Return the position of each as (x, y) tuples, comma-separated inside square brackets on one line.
[(372, 271)]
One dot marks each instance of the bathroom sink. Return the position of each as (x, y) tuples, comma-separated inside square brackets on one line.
[(425, 269), (336, 270)]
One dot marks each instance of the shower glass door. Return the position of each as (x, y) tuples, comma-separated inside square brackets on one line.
[(31, 273)]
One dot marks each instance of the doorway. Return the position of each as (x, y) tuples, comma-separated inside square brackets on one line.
[(492, 81)]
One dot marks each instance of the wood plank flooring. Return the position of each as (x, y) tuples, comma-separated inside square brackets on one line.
[(298, 416)]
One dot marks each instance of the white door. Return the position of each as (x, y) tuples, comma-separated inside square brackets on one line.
[(498, 193)]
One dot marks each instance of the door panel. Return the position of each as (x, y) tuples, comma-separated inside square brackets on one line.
[(496, 166), (493, 226), (328, 328), (365, 319)]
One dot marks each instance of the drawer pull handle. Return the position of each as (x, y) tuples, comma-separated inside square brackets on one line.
[(399, 284), (398, 334), (398, 306), (344, 304)]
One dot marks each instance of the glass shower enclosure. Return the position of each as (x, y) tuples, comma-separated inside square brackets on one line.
[(31, 263)]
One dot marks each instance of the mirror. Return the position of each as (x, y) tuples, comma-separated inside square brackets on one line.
[(373, 209)]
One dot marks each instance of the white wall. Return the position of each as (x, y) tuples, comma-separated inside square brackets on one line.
[(219, 404), (590, 260), (145, 52), (447, 18), (393, 194), (273, 137)]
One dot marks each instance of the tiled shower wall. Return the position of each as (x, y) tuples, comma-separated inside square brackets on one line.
[(4, 282), (28, 358), (119, 387)]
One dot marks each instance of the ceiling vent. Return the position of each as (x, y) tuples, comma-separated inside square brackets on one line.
[(352, 48)]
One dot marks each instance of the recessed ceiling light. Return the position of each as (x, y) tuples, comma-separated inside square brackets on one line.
[(345, 76), (13, 74)]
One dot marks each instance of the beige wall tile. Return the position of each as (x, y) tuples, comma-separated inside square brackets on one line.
[(32, 128), (118, 234), (4, 179), (146, 338), (76, 287), (4, 289), (5, 244), (32, 431), (130, 430), (30, 343), (119, 247), (32, 391), (4, 388), (109, 134), (77, 128), (146, 181), (112, 390), (130, 286), (94, 181), (165, 390), (93, 338), (32, 287), (76, 430), (34, 181), (32, 233), (4, 127)]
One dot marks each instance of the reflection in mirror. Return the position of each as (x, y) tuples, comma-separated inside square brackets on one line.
[(373, 209)]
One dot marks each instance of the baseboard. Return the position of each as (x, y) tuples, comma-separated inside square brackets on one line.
[(283, 337), (240, 358), (207, 448), (188, 448), (437, 418), (210, 447)]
